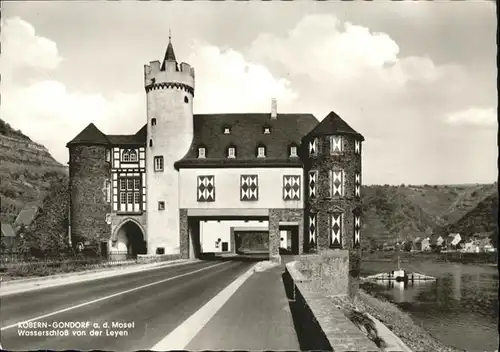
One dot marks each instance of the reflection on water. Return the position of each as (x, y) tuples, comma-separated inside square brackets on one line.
[(460, 308), (402, 292)]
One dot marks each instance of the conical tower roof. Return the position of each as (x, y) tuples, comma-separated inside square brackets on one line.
[(169, 54), (90, 135), (333, 124)]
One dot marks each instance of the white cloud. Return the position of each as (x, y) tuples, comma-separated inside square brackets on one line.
[(50, 114), (22, 47), (45, 110), (480, 117), (227, 82)]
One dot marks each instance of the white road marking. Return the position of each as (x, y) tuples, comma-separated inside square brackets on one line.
[(179, 338), (110, 296)]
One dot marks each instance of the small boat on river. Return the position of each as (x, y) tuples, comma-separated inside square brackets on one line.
[(400, 275)]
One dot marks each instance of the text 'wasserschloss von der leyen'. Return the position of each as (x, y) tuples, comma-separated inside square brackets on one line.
[(75, 328)]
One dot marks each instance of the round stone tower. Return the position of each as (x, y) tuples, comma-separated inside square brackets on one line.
[(89, 185), (170, 91), (333, 201), (333, 171)]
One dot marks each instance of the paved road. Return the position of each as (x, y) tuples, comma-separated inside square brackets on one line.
[(154, 303), (256, 318)]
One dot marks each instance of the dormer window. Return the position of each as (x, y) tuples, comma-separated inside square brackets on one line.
[(231, 152), (227, 130), (266, 130), (293, 151), (153, 121), (201, 153), (261, 151)]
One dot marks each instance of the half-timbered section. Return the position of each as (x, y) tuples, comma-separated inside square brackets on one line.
[(128, 174)]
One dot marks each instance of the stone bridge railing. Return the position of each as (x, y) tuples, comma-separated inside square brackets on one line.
[(325, 326)]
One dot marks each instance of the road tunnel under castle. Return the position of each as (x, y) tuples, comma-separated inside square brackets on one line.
[(209, 235)]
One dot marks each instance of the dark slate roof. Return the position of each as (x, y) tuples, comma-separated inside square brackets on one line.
[(246, 135), (129, 139), (7, 230), (333, 124), (90, 135)]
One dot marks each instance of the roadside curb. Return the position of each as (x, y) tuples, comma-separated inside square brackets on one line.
[(18, 286)]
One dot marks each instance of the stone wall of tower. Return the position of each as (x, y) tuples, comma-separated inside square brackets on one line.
[(323, 204), (88, 172), (170, 103)]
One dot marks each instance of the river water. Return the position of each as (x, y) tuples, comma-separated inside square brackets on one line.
[(460, 308)]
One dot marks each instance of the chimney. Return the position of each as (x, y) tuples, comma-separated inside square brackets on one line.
[(274, 109)]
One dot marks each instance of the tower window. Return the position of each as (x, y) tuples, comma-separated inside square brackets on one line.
[(336, 144), (161, 205), (261, 152), (158, 163), (201, 153), (231, 152), (186, 100), (293, 151), (150, 142), (267, 130), (129, 155), (153, 121), (227, 130)]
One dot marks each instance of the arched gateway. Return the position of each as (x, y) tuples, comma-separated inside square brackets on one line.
[(128, 239)]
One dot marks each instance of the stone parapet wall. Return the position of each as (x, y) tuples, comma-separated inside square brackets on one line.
[(327, 270), (152, 258), (325, 325)]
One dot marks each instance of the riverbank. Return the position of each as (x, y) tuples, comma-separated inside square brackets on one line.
[(453, 257), (399, 322)]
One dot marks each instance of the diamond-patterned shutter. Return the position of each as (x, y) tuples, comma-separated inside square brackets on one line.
[(357, 184), (336, 229), (291, 187), (313, 183), (313, 147), (336, 144), (357, 227), (336, 178), (312, 229), (206, 188), (357, 147), (249, 187)]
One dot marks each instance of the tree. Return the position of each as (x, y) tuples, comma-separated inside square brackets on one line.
[(48, 233)]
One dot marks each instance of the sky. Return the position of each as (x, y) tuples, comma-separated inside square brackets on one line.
[(417, 79)]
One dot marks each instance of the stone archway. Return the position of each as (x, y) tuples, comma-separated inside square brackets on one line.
[(128, 239)]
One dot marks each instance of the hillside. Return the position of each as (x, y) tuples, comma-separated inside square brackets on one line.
[(482, 219), (393, 213), (27, 171)]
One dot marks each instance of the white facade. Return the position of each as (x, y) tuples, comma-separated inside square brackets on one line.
[(227, 186)]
